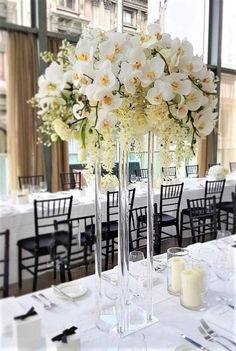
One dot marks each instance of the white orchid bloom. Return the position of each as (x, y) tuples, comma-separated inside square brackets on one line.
[(180, 111), (208, 83), (50, 102), (105, 119), (132, 81), (107, 51), (84, 51), (194, 100), (154, 94), (191, 65), (137, 58), (204, 122), (152, 70), (104, 77), (120, 42), (82, 75), (175, 83), (76, 110), (52, 82), (180, 50), (109, 101)]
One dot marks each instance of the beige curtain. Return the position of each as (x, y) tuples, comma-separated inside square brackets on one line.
[(59, 151), (25, 155), (227, 120)]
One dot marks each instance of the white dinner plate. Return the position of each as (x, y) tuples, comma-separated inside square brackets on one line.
[(186, 347), (73, 290)]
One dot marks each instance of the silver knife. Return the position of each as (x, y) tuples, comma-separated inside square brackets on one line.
[(232, 306), (191, 341)]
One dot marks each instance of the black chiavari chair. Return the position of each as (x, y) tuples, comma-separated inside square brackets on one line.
[(71, 180), (30, 180), (4, 262), (232, 166), (169, 172), (192, 171), (142, 173)]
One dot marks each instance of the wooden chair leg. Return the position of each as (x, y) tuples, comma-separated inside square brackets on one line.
[(19, 268), (178, 234), (113, 251), (107, 254), (35, 277)]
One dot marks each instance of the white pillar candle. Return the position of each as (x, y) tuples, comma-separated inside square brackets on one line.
[(177, 265), (202, 276), (191, 282)]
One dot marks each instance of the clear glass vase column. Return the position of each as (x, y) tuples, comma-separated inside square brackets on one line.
[(123, 243)]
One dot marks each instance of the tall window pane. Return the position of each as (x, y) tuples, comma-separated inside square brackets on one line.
[(17, 12), (228, 36)]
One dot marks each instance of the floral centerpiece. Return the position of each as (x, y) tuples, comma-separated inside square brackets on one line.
[(109, 182), (217, 172), (116, 87)]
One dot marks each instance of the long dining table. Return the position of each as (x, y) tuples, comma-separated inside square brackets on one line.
[(165, 335), (19, 218)]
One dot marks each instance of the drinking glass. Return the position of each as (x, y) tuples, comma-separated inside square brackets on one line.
[(225, 271), (136, 272), (133, 342), (223, 238), (43, 186), (133, 178)]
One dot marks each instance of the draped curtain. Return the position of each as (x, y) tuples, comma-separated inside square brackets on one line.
[(59, 151), (24, 154), (227, 120)]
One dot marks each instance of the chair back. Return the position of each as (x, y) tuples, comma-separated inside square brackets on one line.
[(47, 211), (234, 211), (169, 172), (30, 180), (170, 199), (142, 173), (4, 262), (203, 218), (113, 204), (232, 166), (70, 180), (192, 171), (215, 187), (138, 226)]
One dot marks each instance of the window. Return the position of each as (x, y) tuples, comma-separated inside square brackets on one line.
[(228, 36), (67, 4), (18, 12), (130, 18)]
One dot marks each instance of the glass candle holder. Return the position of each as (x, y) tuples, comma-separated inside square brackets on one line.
[(194, 283), (176, 263)]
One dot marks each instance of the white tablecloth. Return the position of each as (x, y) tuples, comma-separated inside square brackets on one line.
[(162, 336), (19, 219)]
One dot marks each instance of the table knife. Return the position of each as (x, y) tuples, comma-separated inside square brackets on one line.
[(196, 344), (232, 306)]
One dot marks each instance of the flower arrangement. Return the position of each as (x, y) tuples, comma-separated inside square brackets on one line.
[(116, 87), (217, 172), (109, 181)]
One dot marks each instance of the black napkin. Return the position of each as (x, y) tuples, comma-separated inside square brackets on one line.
[(30, 313), (63, 336)]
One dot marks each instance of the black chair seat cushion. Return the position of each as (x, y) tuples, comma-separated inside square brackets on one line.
[(226, 206), (166, 220), (45, 240), (113, 230)]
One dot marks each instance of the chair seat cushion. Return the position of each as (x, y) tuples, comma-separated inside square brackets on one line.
[(166, 219), (45, 240), (226, 206), (113, 230)]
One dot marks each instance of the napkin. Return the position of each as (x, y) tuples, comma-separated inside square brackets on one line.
[(9, 308), (223, 317)]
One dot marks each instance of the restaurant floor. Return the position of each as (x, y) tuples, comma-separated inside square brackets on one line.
[(46, 280)]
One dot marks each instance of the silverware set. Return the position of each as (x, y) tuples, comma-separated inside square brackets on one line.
[(44, 300)]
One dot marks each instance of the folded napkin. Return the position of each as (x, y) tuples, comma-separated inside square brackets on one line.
[(223, 317), (9, 308), (65, 333)]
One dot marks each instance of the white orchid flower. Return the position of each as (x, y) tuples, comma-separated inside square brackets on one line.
[(137, 58), (104, 77), (152, 70), (191, 65), (107, 51), (82, 75), (180, 50), (105, 119), (76, 110), (50, 102), (154, 94), (204, 122), (155, 37), (180, 111), (129, 77), (120, 42), (208, 83), (84, 51), (52, 82), (109, 101), (194, 100), (175, 83)]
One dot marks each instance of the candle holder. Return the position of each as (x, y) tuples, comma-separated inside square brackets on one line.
[(194, 283), (176, 263)]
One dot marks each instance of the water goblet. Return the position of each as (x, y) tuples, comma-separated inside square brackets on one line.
[(223, 238), (133, 178), (135, 271), (43, 186)]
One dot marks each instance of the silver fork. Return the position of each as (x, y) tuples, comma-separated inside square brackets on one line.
[(45, 305), (211, 339), (52, 304), (210, 331)]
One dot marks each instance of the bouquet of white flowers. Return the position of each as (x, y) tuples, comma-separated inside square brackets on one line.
[(109, 182), (217, 172)]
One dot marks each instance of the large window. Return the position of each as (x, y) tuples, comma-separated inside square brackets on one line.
[(228, 38), (17, 12)]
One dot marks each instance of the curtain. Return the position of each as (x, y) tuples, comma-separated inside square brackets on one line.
[(59, 151), (227, 120), (24, 153)]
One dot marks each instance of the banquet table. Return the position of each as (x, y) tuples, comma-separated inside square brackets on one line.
[(164, 335), (19, 219)]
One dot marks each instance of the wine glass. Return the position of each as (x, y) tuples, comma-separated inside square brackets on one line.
[(223, 239), (224, 270), (136, 272), (133, 178), (43, 186)]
